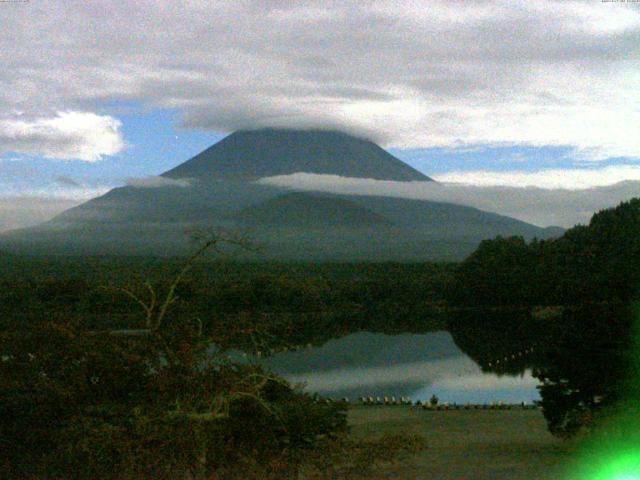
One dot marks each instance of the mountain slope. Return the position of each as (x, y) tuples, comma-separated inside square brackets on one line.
[(310, 210), (253, 154)]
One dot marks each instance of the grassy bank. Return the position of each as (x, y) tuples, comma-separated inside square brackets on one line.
[(468, 444)]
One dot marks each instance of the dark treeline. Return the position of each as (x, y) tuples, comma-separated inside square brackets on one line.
[(592, 263), (297, 303), (582, 289)]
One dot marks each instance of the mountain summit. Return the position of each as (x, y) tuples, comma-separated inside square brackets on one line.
[(253, 154)]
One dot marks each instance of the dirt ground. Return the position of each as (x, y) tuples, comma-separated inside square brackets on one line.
[(468, 444)]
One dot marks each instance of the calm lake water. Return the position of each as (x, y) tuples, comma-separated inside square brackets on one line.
[(413, 365)]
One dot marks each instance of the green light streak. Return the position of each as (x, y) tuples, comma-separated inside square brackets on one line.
[(613, 451), (624, 467)]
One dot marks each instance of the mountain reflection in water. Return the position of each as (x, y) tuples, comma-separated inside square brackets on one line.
[(413, 365)]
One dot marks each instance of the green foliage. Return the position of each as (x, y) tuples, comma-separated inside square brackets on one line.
[(108, 406), (493, 274), (598, 262), (291, 304)]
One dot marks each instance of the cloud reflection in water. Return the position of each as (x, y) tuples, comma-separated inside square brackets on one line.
[(366, 364)]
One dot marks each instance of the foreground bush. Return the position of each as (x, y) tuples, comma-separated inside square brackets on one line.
[(81, 404), (161, 402)]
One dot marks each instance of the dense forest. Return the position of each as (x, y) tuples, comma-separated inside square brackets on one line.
[(589, 263), (583, 290), (296, 303)]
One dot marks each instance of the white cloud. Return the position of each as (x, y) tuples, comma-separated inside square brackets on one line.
[(484, 381), (541, 206), (566, 179), (28, 205), (68, 135), (153, 181), (418, 373), (421, 73), (27, 211)]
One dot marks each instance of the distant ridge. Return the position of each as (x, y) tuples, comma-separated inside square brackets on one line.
[(253, 154)]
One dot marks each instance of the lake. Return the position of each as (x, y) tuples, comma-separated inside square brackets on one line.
[(410, 365)]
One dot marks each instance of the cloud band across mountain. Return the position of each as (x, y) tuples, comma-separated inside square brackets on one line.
[(541, 206)]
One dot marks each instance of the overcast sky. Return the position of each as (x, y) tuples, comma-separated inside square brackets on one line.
[(487, 94)]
